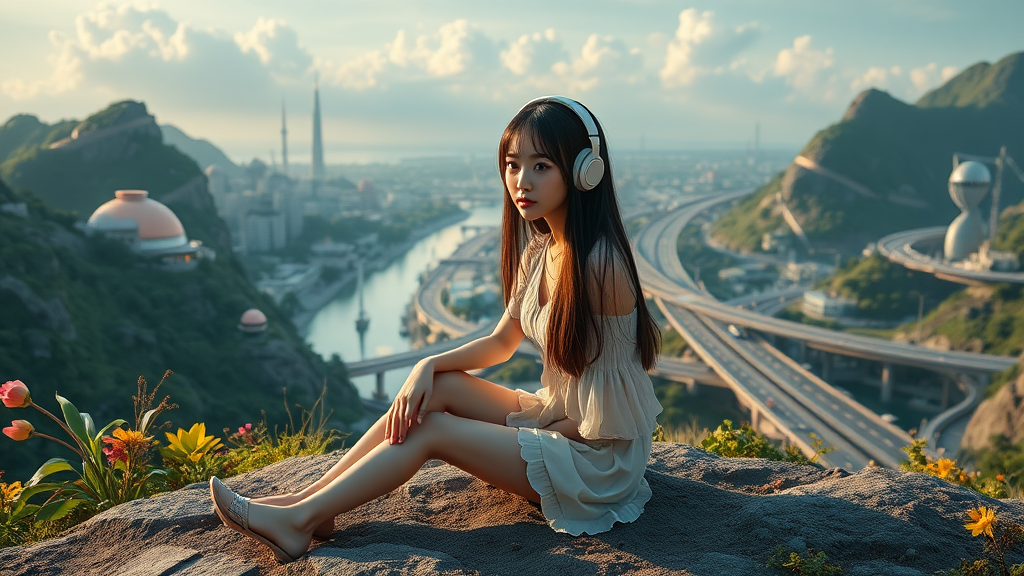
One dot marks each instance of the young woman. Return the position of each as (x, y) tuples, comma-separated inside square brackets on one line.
[(578, 447)]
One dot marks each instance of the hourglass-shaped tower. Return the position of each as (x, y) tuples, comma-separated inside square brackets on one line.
[(968, 184)]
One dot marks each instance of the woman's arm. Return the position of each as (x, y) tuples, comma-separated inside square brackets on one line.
[(495, 348), (566, 427)]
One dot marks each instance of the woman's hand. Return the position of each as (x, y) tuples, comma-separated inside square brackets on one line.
[(410, 402)]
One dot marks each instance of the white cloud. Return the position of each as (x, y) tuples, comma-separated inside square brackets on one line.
[(875, 77), (602, 59), (135, 50), (456, 49), (702, 47), (805, 69), (534, 53), (277, 46), (929, 76), (909, 86)]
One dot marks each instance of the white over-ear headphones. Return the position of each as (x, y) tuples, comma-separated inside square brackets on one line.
[(589, 167)]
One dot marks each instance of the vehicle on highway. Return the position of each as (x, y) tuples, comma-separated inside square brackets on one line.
[(890, 418), (737, 332)]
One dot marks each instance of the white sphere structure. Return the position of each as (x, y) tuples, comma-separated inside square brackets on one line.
[(968, 185)]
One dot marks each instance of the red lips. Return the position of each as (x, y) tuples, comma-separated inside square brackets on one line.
[(523, 202)]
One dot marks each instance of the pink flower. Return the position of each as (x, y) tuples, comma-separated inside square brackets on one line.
[(15, 394), (248, 426), (116, 451), (241, 430), (19, 430)]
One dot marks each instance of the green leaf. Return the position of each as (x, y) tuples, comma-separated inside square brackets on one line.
[(24, 512), (90, 426), (117, 422), (57, 509), (31, 491), (51, 466), (74, 420)]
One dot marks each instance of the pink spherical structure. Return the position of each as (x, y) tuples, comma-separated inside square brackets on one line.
[(253, 321)]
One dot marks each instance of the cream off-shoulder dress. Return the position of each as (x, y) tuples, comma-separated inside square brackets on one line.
[(585, 487)]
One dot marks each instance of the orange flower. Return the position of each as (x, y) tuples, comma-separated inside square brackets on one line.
[(1000, 477), (942, 468), (963, 476), (983, 519), (125, 444), (14, 394), (19, 430)]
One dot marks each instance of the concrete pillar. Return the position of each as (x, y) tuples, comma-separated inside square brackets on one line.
[(755, 420), (379, 394), (802, 355), (887, 383), (691, 386), (945, 392), (826, 366)]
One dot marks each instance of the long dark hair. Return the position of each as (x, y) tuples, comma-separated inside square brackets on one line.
[(591, 215)]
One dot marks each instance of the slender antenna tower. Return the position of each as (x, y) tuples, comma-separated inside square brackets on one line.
[(284, 141), (318, 144), (363, 320)]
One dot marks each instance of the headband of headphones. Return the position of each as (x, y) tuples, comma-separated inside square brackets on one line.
[(589, 167)]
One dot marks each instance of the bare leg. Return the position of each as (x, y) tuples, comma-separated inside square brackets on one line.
[(455, 392), (488, 451)]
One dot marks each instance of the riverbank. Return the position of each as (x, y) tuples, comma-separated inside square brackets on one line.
[(311, 303)]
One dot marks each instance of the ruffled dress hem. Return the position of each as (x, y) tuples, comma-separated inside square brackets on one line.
[(537, 475)]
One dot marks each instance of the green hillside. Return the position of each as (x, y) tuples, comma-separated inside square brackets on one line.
[(902, 153), (81, 316), (202, 151), (26, 131), (83, 178)]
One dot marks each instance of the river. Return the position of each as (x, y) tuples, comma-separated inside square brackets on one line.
[(385, 295)]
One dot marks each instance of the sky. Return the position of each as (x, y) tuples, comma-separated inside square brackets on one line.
[(406, 79)]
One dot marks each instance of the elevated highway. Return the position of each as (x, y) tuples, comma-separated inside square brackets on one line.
[(783, 401), (862, 432), (905, 247)]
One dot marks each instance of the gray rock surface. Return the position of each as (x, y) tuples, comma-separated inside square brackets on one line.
[(1002, 414), (708, 516)]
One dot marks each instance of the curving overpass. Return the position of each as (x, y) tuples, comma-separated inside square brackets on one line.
[(900, 248), (782, 399), (863, 433)]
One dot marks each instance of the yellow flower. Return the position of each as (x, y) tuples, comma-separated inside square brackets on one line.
[(963, 476), (983, 519), (9, 492), (942, 468), (132, 438)]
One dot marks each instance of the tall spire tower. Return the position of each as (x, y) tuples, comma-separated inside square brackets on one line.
[(284, 142), (318, 144)]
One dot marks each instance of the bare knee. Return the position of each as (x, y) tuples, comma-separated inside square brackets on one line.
[(445, 384), (431, 433)]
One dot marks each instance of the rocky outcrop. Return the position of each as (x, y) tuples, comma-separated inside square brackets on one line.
[(708, 516), (1002, 414)]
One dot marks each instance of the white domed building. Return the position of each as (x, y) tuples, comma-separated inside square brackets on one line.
[(253, 321), (150, 229)]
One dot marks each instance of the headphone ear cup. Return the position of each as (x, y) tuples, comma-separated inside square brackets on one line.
[(587, 170)]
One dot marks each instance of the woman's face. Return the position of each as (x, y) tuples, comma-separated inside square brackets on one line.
[(534, 181)]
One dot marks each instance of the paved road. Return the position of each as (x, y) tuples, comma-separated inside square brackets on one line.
[(899, 248)]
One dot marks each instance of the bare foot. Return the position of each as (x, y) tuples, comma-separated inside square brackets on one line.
[(324, 531)]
